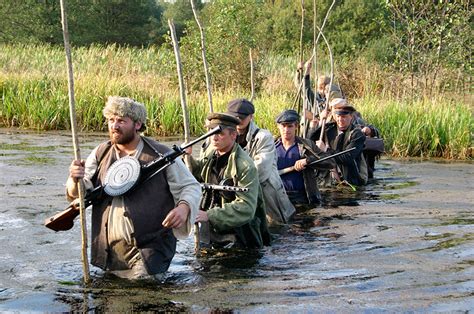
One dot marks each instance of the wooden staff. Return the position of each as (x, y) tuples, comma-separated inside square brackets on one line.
[(182, 89), (298, 94), (315, 58), (77, 152), (323, 122), (204, 60), (252, 81), (320, 33), (300, 74), (187, 158)]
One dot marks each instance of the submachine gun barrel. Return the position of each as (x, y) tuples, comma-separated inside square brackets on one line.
[(64, 220)]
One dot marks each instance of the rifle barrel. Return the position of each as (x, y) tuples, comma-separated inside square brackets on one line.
[(331, 156), (213, 131), (206, 186), (292, 168)]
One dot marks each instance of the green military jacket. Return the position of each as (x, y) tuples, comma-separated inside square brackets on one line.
[(245, 215)]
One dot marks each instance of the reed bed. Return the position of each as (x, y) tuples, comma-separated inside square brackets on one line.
[(33, 91)]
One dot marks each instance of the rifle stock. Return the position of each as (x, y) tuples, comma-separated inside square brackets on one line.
[(64, 220)]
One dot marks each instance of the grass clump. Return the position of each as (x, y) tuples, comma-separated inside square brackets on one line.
[(33, 90)]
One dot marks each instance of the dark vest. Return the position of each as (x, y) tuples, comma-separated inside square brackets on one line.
[(146, 206)]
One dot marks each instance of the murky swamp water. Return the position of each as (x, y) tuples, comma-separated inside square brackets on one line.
[(405, 243)]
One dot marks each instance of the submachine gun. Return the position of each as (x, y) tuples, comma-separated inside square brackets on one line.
[(213, 194), (122, 176)]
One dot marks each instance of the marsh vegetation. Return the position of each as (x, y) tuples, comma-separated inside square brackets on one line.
[(413, 81)]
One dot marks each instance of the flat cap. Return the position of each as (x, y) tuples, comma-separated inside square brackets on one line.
[(340, 106), (240, 107), (288, 116), (222, 119)]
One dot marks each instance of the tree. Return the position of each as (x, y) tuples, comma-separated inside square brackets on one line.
[(428, 36), (356, 24), (124, 22), (129, 22), (181, 13), (231, 30)]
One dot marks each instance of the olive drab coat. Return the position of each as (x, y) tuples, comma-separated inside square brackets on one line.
[(261, 148), (245, 215)]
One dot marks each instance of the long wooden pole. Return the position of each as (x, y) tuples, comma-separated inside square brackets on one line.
[(182, 88), (252, 79), (323, 122), (301, 75), (315, 59), (204, 59), (298, 93), (77, 152), (184, 106)]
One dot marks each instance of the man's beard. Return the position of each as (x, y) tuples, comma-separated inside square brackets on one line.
[(125, 137)]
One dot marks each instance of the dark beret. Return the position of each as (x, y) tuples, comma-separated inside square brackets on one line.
[(240, 107), (288, 116), (222, 119)]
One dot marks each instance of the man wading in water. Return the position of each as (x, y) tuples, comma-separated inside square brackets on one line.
[(259, 144), (238, 221), (342, 135), (294, 151), (134, 235)]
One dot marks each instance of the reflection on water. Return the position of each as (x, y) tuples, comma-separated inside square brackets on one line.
[(402, 243)]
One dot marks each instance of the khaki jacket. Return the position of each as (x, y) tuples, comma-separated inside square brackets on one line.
[(245, 215)]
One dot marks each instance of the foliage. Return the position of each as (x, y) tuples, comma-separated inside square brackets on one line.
[(33, 89), (231, 30), (125, 22), (425, 128), (180, 12), (428, 35), (356, 25)]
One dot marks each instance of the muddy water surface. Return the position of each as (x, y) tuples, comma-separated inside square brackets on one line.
[(405, 243)]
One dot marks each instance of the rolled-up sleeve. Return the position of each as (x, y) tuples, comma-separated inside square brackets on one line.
[(184, 188), (90, 169)]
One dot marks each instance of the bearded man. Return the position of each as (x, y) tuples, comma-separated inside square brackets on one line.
[(134, 235)]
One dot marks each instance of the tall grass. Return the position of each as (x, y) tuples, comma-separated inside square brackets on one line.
[(33, 90), (425, 128)]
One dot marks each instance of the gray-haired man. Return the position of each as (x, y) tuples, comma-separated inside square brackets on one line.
[(134, 235), (259, 144)]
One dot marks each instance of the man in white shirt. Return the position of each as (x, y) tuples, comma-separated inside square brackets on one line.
[(134, 235)]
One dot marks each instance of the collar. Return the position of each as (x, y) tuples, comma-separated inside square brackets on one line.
[(135, 153)]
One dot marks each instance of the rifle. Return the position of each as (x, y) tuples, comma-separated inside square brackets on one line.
[(292, 168), (64, 220)]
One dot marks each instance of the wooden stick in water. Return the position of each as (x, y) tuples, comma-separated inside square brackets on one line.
[(185, 115), (77, 152)]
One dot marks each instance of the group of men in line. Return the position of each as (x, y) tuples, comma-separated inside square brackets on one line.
[(134, 235)]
